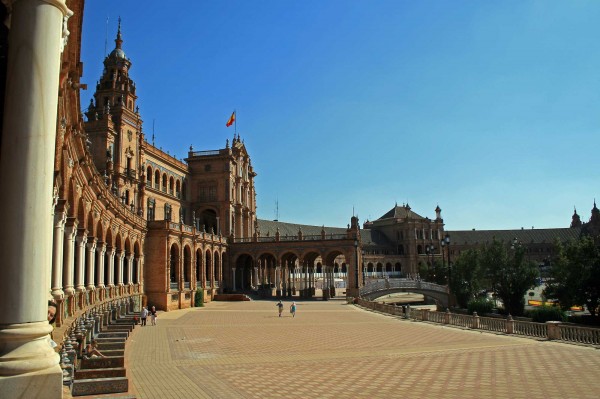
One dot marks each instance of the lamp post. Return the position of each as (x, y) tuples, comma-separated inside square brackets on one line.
[(364, 276), (443, 245), (447, 240), (356, 252), (429, 248)]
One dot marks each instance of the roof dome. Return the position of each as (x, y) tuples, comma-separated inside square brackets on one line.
[(118, 53)]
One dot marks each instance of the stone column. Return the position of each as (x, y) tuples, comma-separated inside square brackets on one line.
[(129, 278), (101, 248), (120, 262), (140, 266), (68, 266), (110, 252), (28, 365), (57, 259), (81, 240), (234, 288), (91, 263), (255, 282)]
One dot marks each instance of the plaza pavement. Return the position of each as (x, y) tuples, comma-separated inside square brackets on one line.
[(334, 350)]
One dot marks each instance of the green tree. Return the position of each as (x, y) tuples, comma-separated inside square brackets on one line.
[(510, 273), (466, 277), (575, 275)]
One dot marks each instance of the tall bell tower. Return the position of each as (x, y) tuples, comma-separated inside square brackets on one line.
[(114, 127)]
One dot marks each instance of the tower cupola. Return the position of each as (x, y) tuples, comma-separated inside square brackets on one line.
[(575, 219)]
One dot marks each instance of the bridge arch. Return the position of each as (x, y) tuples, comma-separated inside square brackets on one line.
[(439, 293)]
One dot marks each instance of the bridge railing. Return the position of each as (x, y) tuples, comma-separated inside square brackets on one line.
[(552, 330), (403, 283)]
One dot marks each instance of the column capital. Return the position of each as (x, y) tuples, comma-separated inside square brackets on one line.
[(92, 242), (81, 236)]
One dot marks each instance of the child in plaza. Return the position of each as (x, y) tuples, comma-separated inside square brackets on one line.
[(293, 309), (153, 315), (280, 307)]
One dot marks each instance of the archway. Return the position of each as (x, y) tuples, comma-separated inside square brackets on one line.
[(207, 220), (174, 267), (244, 274)]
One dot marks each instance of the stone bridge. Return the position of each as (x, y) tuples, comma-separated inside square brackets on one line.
[(379, 288)]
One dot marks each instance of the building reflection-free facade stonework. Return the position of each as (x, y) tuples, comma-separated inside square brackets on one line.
[(100, 213)]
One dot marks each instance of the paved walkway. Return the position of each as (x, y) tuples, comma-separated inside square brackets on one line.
[(334, 350)]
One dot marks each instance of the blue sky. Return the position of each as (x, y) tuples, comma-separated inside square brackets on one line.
[(489, 109)]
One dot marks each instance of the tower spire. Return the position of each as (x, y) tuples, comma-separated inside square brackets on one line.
[(119, 39)]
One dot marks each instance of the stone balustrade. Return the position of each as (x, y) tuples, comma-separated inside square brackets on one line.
[(552, 330)]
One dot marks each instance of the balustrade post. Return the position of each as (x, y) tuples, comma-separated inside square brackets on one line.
[(553, 329), (447, 316), (510, 325), (476, 321)]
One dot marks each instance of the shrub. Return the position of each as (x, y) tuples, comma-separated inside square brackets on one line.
[(545, 313), (199, 298), (480, 305)]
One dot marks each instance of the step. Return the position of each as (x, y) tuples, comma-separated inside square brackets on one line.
[(117, 327), (98, 386), (100, 373), (108, 346), (110, 340), (113, 334), (113, 352), (102, 362)]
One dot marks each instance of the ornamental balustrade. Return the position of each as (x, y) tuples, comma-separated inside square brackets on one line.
[(551, 330), (287, 238)]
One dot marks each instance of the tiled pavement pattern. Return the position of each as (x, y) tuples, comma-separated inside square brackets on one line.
[(334, 350)]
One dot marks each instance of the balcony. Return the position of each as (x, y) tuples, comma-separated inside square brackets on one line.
[(174, 286)]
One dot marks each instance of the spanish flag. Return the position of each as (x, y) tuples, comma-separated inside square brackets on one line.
[(231, 119)]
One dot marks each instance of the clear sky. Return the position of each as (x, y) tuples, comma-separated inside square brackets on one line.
[(490, 109)]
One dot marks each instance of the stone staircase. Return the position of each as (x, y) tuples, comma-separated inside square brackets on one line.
[(110, 326)]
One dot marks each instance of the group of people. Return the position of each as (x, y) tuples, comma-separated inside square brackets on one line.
[(145, 313), (292, 308)]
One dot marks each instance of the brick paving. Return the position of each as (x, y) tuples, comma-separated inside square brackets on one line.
[(334, 350)]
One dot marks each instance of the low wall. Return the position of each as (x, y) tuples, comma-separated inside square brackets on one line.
[(551, 330)]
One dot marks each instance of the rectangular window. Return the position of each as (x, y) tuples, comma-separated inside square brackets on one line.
[(207, 194)]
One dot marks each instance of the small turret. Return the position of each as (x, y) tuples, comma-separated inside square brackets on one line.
[(438, 213), (575, 219)]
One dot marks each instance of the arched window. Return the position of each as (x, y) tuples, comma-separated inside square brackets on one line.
[(149, 176), (177, 189), (164, 182), (171, 185), (157, 180)]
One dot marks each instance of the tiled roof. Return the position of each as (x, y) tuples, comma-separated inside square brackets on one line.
[(526, 236), (369, 237), (401, 212), (291, 229)]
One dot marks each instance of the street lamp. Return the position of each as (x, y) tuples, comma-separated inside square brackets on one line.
[(429, 251), (364, 276), (447, 241), (356, 252)]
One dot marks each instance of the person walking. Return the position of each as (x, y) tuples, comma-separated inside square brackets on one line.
[(144, 315), (293, 309), (153, 315), (280, 307)]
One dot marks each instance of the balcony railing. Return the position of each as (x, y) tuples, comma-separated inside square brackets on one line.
[(174, 286)]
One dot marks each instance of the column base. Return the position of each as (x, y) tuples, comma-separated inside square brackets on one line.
[(45, 384)]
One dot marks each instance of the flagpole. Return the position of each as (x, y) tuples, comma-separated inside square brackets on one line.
[(235, 121)]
